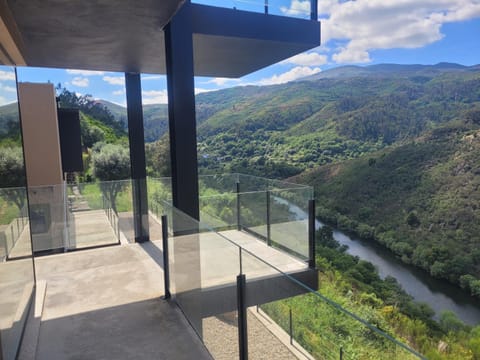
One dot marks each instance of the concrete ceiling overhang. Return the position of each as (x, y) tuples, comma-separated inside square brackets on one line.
[(128, 36)]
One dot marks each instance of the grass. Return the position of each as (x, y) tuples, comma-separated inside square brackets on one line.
[(8, 212), (93, 195)]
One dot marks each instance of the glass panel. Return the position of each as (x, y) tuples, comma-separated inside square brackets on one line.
[(306, 323), (298, 9), (48, 217), (289, 220), (159, 192), (16, 265), (250, 183), (92, 221), (253, 213), (217, 184), (205, 266), (118, 197), (219, 211)]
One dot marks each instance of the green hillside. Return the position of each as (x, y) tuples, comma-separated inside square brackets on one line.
[(282, 130), (420, 199), (9, 125)]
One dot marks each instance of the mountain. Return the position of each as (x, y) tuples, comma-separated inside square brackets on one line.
[(155, 118), (119, 112), (381, 70), (393, 152), (282, 130)]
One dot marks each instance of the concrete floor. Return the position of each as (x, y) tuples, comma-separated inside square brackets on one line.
[(105, 304), (90, 228), (217, 259)]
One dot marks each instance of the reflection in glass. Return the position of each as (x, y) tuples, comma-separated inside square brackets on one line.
[(16, 266)]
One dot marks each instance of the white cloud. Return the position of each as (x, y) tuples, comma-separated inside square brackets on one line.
[(154, 97), (85, 72), (152, 77), (366, 25), (119, 92), (293, 74), (307, 59), (80, 81), (297, 7), (114, 80), (3, 101), (7, 88), (161, 96), (202, 90), (219, 81), (7, 75)]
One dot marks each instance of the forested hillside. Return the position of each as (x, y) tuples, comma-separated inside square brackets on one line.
[(282, 130), (420, 199)]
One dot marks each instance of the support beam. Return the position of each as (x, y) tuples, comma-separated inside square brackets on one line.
[(137, 156), (181, 112)]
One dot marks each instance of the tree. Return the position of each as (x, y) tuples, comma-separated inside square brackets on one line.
[(89, 106), (91, 135), (12, 175), (412, 219), (449, 322), (111, 163)]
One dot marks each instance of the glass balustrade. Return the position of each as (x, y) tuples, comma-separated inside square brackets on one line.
[(297, 9), (280, 315)]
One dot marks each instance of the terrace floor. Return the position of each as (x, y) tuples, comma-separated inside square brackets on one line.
[(105, 303)]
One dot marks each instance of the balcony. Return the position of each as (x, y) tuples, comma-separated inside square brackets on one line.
[(239, 278), (131, 39)]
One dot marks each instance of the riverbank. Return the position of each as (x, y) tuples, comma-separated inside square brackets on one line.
[(439, 294)]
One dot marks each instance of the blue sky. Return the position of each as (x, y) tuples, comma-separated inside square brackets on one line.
[(361, 32)]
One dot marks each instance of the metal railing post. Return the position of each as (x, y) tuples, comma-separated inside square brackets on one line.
[(239, 225), (266, 7), (341, 353), (311, 234), (242, 318), (118, 229), (166, 263), (269, 238), (314, 10), (291, 327)]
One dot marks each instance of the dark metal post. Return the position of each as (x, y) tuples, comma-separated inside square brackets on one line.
[(269, 238), (181, 111), (239, 224), (136, 139), (118, 229), (314, 10), (242, 318), (311, 234), (266, 7), (291, 327), (166, 263), (341, 353)]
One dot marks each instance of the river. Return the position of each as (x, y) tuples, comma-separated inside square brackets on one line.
[(438, 294)]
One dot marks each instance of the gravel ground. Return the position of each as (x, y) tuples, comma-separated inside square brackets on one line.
[(221, 338)]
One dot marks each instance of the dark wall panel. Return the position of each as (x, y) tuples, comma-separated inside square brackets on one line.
[(70, 140)]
